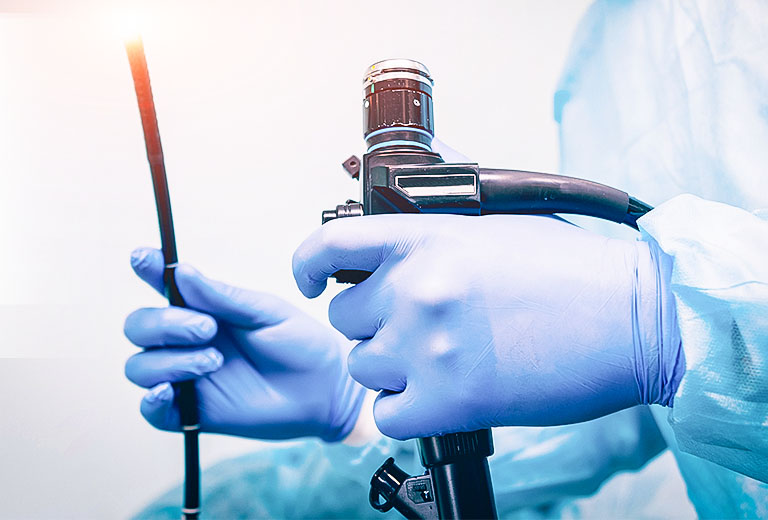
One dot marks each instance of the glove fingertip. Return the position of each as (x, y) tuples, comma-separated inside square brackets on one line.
[(148, 264), (130, 326), (315, 290), (143, 258), (159, 410), (309, 287)]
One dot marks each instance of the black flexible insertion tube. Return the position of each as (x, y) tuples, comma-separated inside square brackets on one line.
[(521, 192), (186, 396)]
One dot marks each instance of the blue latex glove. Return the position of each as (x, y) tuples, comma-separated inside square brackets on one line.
[(262, 368), (470, 322)]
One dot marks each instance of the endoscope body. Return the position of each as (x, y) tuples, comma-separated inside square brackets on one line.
[(399, 179), (401, 174)]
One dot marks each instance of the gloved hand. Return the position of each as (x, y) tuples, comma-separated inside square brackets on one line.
[(262, 368), (471, 322)]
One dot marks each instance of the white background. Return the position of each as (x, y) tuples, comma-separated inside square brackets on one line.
[(258, 104)]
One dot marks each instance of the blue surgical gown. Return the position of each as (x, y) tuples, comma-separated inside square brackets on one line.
[(668, 100)]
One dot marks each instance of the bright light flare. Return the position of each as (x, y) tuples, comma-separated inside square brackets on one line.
[(128, 25)]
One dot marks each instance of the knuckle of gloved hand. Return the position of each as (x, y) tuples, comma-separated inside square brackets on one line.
[(442, 351), (435, 297), (364, 362), (338, 313), (388, 421), (359, 363)]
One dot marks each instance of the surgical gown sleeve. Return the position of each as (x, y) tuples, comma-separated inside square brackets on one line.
[(663, 98), (720, 281)]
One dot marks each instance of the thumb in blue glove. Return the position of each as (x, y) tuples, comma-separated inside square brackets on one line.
[(262, 368), (471, 322)]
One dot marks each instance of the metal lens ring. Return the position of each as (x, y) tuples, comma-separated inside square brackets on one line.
[(397, 105)]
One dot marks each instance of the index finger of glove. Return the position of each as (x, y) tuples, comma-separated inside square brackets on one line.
[(361, 243), (148, 264), (238, 306)]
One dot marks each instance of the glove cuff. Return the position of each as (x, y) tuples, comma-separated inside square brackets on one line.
[(660, 360)]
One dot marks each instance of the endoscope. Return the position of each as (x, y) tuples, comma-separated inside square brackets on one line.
[(401, 174), (186, 396)]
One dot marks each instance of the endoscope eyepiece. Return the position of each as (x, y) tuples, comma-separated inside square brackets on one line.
[(397, 105)]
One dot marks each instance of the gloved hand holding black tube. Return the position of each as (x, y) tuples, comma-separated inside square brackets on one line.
[(262, 368)]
